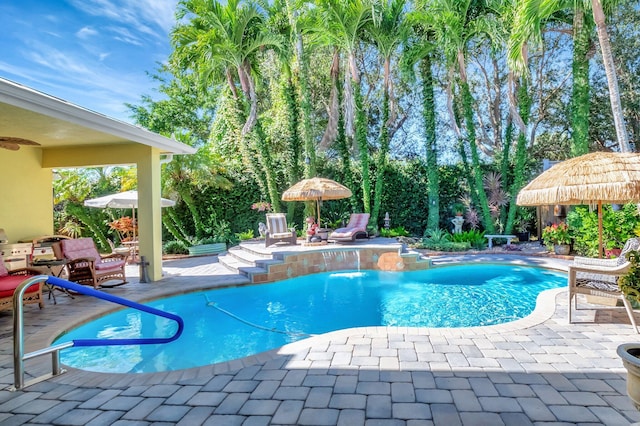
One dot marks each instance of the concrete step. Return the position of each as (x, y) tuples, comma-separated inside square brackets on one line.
[(246, 256), (246, 262)]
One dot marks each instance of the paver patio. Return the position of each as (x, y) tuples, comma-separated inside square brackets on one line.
[(538, 370)]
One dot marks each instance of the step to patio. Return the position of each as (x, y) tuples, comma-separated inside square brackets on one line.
[(246, 262)]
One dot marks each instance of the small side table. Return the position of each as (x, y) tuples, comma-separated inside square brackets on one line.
[(49, 264)]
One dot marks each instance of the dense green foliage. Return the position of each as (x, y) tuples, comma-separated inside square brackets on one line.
[(617, 227), (418, 107)]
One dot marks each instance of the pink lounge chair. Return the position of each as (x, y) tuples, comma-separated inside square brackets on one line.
[(356, 228)]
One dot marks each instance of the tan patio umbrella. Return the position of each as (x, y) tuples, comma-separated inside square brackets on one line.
[(318, 189), (595, 178)]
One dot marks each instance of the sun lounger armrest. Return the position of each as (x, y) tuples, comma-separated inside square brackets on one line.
[(113, 257), (608, 263), (618, 270), (82, 262)]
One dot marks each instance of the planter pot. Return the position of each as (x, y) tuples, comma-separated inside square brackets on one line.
[(523, 237), (609, 253), (562, 249), (629, 352), (204, 249)]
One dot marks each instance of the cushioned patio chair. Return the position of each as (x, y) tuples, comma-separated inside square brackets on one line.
[(277, 230), (9, 281), (356, 228), (86, 266), (599, 277)]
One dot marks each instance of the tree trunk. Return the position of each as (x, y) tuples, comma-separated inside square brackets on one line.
[(580, 94), (612, 79), (429, 123), (381, 164), (363, 148)]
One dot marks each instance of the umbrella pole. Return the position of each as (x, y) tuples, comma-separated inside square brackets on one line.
[(600, 229), (318, 208)]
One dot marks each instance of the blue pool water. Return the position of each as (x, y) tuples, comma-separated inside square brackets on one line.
[(230, 323)]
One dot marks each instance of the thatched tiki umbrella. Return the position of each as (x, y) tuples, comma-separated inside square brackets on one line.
[(596, 178), (317, 189)]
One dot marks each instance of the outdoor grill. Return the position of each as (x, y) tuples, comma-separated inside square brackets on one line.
[(15, 256)]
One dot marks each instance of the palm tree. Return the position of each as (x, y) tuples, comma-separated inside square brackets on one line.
[(294, 8), (340, 24), (422, 50), (531, 15), (219, 43), (387, 31), (454, 24)]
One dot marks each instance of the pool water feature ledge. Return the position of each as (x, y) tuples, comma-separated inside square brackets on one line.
[(268, 264)]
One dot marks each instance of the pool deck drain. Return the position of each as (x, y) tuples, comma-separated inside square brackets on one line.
[(536, 370)]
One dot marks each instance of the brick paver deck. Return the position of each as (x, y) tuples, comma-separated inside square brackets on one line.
[(539, 370)]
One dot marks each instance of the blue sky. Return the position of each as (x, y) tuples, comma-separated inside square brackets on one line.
[(93, 53)]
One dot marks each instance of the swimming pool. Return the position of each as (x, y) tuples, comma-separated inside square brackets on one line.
[(231, 323)]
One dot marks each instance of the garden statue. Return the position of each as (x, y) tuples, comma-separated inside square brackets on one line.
[(312, 226), (457, 224), (262, 229)]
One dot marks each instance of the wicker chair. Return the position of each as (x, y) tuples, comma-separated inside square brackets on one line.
[(599, 277), (86, 266), (9, 281), (277, 230)]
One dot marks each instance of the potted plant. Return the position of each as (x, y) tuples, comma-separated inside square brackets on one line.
[(557, 237), (630, 352), (522, 224)]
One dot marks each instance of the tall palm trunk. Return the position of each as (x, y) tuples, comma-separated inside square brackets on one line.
[(305, 94), (341, 137), (612, 78), (429, 123), (383, 153), (292, 159), (363, 147), (582, 26), (467, 108), (524, 110)]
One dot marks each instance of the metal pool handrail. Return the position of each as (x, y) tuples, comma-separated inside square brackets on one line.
[(18, 328)]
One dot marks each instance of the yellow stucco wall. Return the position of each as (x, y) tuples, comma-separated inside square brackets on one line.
[(26, 194)]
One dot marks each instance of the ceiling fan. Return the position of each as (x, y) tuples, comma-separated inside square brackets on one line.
[(13, 144)]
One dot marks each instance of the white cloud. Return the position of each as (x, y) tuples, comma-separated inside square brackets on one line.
[(123, 34), (86, 32), (152, 17)]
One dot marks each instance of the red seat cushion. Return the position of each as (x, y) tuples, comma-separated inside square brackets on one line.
[(9, 283)]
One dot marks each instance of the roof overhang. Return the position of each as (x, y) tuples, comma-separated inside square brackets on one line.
[(53, 122)]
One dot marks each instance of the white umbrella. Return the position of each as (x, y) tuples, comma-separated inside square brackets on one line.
[(123, 200)]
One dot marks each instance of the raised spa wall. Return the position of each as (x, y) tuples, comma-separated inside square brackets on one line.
[(289, 265)]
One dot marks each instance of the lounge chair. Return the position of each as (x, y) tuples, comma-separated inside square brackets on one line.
[(599, 277), (277, 230), (86, 266), (356, 228)]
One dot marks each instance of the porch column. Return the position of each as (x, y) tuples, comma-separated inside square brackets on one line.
[(149, 212)]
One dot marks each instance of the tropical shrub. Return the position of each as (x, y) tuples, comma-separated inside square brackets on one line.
[(246, 235), (558, 233), (398, 231), (441, 240), (474, 237), (175, 247), (617, 228)]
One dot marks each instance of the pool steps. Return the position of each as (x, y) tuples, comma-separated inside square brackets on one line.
[(260, 264)]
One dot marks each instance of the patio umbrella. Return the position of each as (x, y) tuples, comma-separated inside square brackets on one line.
[(123, 200), (317, 189), (595, 178)]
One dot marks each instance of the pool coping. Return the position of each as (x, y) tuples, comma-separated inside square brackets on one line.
[(544, 310)]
